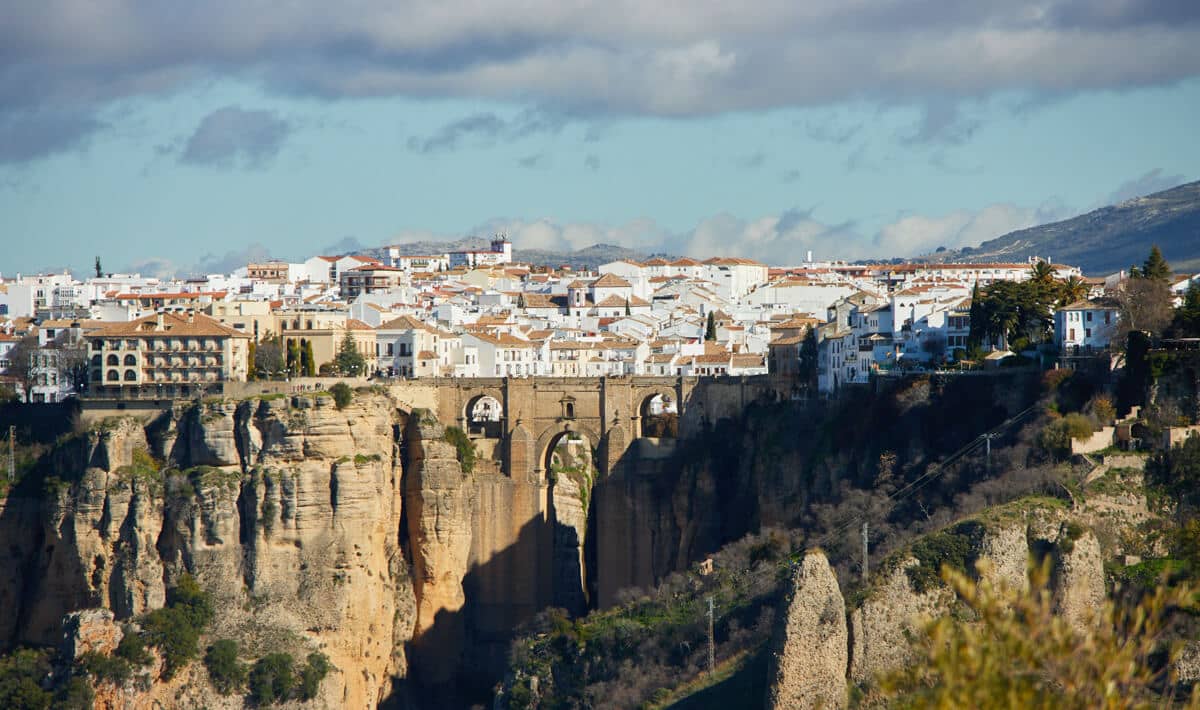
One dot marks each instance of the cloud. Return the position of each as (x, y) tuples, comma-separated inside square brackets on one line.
[(753, 161), (230, 260), (530, 162), (831, 132), (591, 163), (784, 238), (600, 59), (1153, 181), (231, 137), (487, 128), (29, 135), (942, 121)]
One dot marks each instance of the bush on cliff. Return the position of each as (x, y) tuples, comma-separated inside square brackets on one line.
[(175, 629), (272, 678), (342, 395), (227, 673), (311, 676), (464, 450)]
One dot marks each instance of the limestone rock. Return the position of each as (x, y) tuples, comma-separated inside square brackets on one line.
[(882, 626), (808, 666), (1079, 588), (89, 630)]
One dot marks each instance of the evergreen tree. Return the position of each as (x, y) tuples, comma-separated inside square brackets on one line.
[(627, 311), (1186, 323), (293, 357), (710, 329), (99, 273), (1155, 267), (349, 360), (307, 364)]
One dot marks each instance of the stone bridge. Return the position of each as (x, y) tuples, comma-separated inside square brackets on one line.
[(535, 413)]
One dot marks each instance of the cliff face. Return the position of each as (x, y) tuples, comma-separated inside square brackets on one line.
[(354, 532), (286, 511), (810, 664)]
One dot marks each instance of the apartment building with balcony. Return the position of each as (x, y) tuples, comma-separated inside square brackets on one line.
[(165, 350)]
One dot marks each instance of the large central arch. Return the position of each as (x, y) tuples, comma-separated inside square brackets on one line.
[(550, 436)]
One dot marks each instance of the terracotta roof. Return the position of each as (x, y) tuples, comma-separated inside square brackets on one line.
[(427, 355), (405, 323), (173, 325), (356, 324)]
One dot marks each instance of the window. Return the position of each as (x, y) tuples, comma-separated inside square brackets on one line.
[(113, 376), (1089, 317), (1087, 333), (130, 360), (96, 360), (113, 360)]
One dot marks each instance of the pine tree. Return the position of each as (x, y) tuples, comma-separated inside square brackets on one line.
[(710, 329), (349, 360), (99, 273), (1155, 267)]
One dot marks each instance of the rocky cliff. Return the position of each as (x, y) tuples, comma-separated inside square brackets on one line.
[(354, 532), (820, 654)]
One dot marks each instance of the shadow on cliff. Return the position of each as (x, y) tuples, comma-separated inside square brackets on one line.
[(462, 656)]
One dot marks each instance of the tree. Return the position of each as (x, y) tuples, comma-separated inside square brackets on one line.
[(293, 357), (272, 678), (1186, 322), (1042, 272), (807, 368), (99, 273), (710, 328), (349, 360), (1155, 268), (307, 365), (627, 311), (342, 394), (20, 363), (72, 360), (1072, 290), (1146, 297), (227, 673), (268, 356)]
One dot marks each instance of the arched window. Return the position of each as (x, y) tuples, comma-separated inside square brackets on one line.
[(130, 375), (130, 359), (96, 360), (113, 359), (113, 376)]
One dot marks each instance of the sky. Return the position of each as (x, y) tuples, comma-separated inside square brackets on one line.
[(183, 137)]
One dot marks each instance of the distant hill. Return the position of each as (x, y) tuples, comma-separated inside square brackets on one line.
[(1108, 239), (586, 258)]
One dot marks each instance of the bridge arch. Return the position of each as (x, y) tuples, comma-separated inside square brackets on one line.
[(643, 403), (468, 397), (550, 437)]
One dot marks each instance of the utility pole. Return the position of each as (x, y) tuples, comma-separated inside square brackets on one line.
[(712, 651), (987, 440), (865, 555)]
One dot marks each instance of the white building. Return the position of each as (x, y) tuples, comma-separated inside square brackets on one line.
[(1085, 325)]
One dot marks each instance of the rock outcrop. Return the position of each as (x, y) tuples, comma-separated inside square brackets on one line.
[(808, 666), (888, 617)]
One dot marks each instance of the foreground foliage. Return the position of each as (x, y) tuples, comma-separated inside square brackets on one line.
[(1014, 650)]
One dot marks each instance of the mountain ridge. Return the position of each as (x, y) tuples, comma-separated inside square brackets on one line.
[(1106, 239)]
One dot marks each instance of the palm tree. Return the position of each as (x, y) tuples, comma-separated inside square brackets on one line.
[(1042, 272), (1072, 290)]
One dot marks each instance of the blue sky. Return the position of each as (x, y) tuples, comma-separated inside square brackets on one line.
[(176, 137)]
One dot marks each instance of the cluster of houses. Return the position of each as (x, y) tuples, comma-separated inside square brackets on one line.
[(480, 314)]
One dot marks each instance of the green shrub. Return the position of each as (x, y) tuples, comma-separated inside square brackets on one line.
[(463, 448), (133, 649), (226, 672), (272, 678), (175, 629), (956, 548), (342, 395), (105, 668), (314, 672), (1078, 426)]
